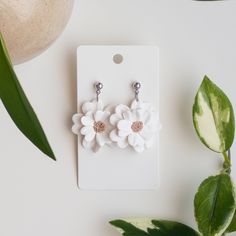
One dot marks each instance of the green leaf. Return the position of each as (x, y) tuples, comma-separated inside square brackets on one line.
[(213, 117), (170, 228), (232, 226), (214, 205), (17, 104), (148, 227), (128, 229)]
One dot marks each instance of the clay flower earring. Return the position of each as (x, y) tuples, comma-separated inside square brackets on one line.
[(135, 126), (93, 123)]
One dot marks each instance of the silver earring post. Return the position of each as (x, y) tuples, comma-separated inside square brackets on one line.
[(98, 86), (137, 87)]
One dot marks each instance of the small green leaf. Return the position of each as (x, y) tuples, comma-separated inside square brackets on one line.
[(170, 228), (128, 229), (232, 226), (17, 104), (148, 227), (213, 117), (214, 205)]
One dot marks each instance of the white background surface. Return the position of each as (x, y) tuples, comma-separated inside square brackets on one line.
[(40, 197)]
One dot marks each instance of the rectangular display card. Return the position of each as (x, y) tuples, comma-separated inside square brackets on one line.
[(117, 67)]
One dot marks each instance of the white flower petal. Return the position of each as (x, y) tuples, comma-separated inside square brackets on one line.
[(147, 118), (102, 139), (143, 115), (120, 109), (90, 136), (101, 115), (87, 121), (139, 148), (128, 115), (98, 116), (146, 133), (135, 139), (115, 118), (152, 118), (76, 118), (99, 104), (88, 107), (148, 107), (134, 104), (152, 126), (88, 145), (110, 108), (90, 114), (141, 105), (138, 114), (91, 145), (113, 136), (122, 143), (131, 139), (138, 105), (123, 133), (125, 125), (86, 129), (75, 129), (92, 106), (96, 147)]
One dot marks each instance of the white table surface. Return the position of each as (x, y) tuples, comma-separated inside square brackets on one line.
[(39, 196)]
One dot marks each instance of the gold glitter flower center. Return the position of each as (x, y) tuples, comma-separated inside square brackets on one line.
[(137, 126), (99, 127)]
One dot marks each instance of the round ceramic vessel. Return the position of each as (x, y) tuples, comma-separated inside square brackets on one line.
[(31, 26)]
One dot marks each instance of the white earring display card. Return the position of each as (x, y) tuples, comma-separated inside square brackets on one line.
[(117, 68)]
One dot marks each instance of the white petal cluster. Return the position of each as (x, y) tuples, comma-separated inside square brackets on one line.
[(135, 126), (93, 125)]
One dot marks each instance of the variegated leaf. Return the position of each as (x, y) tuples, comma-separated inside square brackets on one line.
[(213, 117), (150, 227)]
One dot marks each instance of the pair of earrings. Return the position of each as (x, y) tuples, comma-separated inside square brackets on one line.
[(134, 126)]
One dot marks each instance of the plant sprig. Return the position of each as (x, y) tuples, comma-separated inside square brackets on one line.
[(215, 201), (17, 104)]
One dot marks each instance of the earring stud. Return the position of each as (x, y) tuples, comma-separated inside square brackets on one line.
[(98, 86), (137, 87)]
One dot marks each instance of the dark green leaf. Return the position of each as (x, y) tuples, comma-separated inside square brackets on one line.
[(170, 228), (232, 226), (128, 228), (213, 117), (147, 227), (214, 205), (17, 104)]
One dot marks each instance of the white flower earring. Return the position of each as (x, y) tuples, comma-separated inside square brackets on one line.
[(93, 123), (135, 126)]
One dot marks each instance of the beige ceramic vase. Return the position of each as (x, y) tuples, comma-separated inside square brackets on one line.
[(30, 26)]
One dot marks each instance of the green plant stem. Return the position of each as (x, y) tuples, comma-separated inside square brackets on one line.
[(227, 162)]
